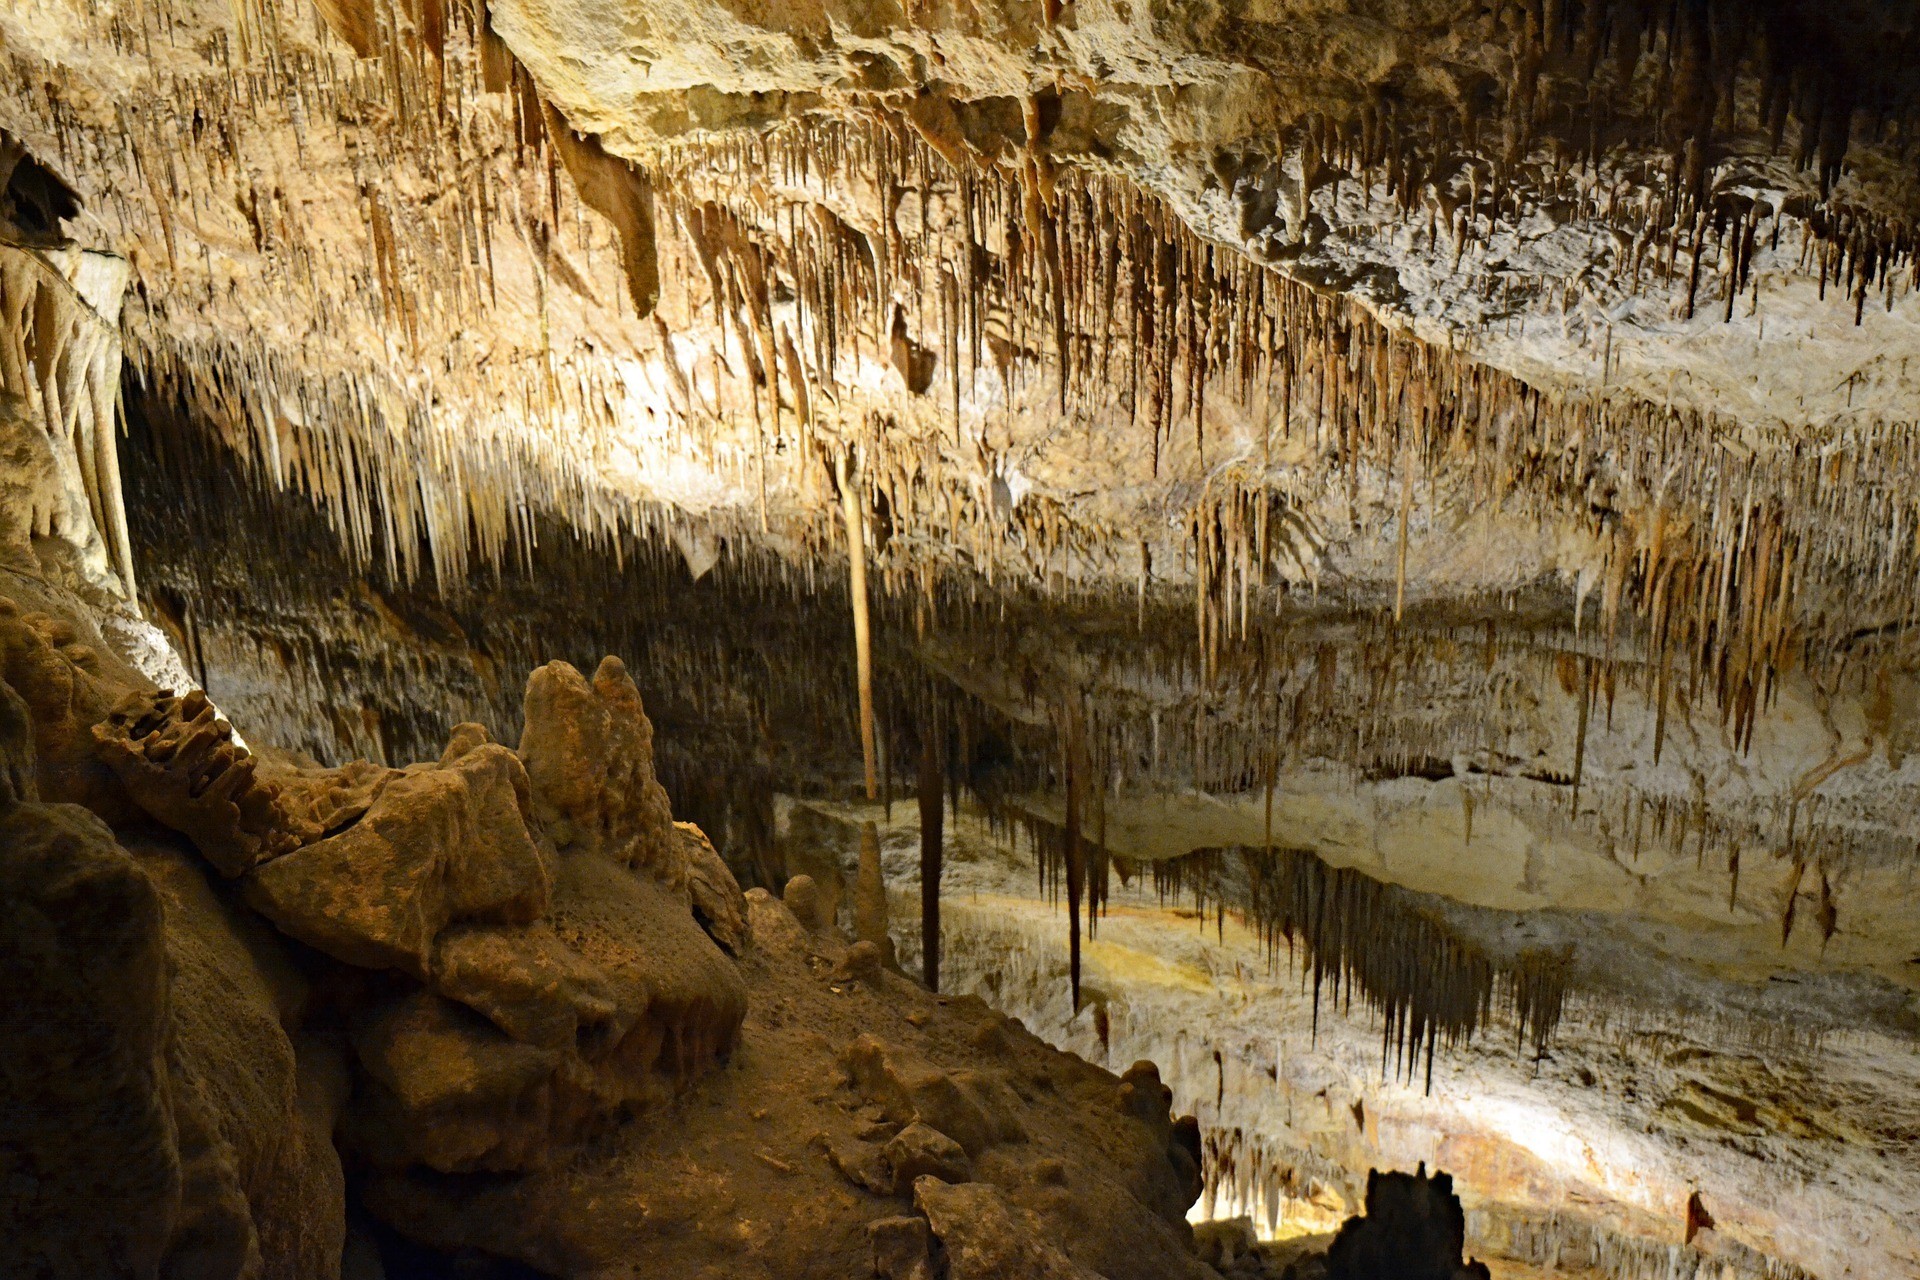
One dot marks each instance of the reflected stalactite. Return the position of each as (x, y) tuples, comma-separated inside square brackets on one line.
[(1074, 767), (1348, 932), (931, 796)]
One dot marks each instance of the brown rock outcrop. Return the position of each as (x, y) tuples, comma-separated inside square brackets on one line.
[(987, 1239), (529, 984), (178, 760), (89, 1141), (902, 1249), (972, 1107), (450, 1090), (263, 1183), (153, 1115), (439, 843), (658, 963), (718, 904), (55, 673), (505, 961), (920, 1150), (588, 749)]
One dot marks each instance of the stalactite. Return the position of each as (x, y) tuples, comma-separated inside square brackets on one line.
[(853, 511), (60, 359)]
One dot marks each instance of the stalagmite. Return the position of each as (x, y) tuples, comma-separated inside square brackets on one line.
[(870, 893)]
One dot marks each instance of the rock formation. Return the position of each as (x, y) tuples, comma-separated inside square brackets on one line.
[(1400, 520), (492, 987), (1413, 1227)]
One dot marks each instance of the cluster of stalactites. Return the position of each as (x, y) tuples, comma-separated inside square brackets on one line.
[(1348, 932), (60, 365), (1248, 1174), (1073, 290), (1134, 319), (368, 390)]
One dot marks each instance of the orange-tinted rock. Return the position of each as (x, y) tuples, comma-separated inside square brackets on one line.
[(450, 1090), (589, 756), (659, 964), (178, 760), (920, 1149), (528, 984), (988, 1239), (718, 904), (968, 1106), (440, 843)]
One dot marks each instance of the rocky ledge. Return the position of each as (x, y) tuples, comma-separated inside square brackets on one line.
[(499, 1010)]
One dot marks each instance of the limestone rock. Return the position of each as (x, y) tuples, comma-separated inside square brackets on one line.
[(89, 1157), (151, 1111), (684, 997), (529, 984), (802, 897), (262, 1176), (439, 844), (180, 762), (861, 1163), (863, 962), (772, 924), (988, 1239), (1147, 1100), (53, 672), (718, 903), (970, 1107), (921, 1149), (902, 1249), (1414, 1227), (18, 785), (1224, 1243), (589, 756), (451, 1091)]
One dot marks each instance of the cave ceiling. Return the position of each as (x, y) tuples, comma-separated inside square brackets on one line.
[(1464, 453), (1554, 286), (1514, 388)]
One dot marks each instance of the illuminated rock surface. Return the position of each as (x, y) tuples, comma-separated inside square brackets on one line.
[(1357, 561)]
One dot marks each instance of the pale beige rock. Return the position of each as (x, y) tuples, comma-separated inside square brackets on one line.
[(773, 924)]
